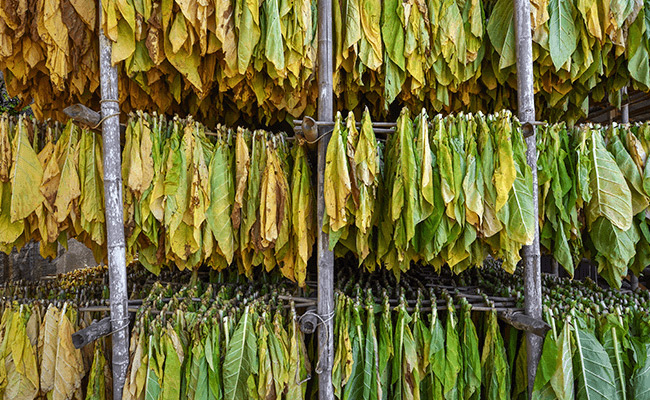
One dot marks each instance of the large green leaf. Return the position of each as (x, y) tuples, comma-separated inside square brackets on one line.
[(371, 379), (501, 30), (241, 358), (592, 367), (471, 357), (453, 358), (615, 248), (562, 378), (563, 33), (611, 340), (610, 195), (221, 200), (494, 364), (640, 381)]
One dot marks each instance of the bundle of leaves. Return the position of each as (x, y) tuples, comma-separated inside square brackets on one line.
[(593, 199), (254, 61), (189, 198), (39, 359), (598, 343), (231, 343), (388, 350), (447, 191)]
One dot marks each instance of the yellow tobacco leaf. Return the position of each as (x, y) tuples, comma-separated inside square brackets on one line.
[(242, 165), (69, 188), (269, 201), (504, 173), (47, 343), (337, 185), (69, 364), (22, 372), (146, 154), (5, 150), (9, 231), (26, 176)]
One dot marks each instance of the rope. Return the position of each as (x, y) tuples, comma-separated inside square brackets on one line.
[(117, 114), (319, 138), (323, 321), (126, 325)]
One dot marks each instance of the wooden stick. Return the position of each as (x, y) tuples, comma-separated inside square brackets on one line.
[(530, 254), (114, 212)]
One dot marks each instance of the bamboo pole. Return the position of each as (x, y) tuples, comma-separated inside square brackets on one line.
[(531, 254), (325, 258), (110, 110)]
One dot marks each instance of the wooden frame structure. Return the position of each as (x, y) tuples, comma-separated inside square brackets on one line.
[(325, 258)]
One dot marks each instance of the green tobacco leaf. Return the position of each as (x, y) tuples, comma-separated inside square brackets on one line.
[(453, 359), (518, 214), (611, 196), (471, 356), (562, 378), (615, 249), (593, 369), (221, 199), (611, 341), (172, 375), (494, 364), (563, 34), (640, 381), (241, 358), (501, 30), (152, 386), (371, 379)]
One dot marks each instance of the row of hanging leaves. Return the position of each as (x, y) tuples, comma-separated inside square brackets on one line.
[(51, 186), (409, 353), (594, 196), (229, 345), (460, 55), (444, 191), (598, 346), (455, 189), (258, 59), (39, 361), (189, 199), (255, 60)]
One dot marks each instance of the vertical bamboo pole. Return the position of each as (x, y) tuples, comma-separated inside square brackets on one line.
[(110, 110), (531, 254), (325, 258)]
